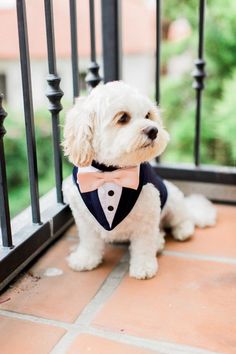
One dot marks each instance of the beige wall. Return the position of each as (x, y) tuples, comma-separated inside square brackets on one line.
[(137, 71)]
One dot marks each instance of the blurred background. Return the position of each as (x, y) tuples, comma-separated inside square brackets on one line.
[(177, 100)]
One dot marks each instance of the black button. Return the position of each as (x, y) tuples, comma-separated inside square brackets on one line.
[(110, 208), (111, 193)]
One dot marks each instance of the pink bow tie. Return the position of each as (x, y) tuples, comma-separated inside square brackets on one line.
[(127, 177)]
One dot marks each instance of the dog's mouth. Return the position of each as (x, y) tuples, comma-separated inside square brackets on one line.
[(147, 144)]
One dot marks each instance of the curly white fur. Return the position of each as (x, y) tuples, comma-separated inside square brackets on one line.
[(93, 132)]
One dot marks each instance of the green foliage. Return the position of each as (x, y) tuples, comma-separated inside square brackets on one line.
[(180, 120), (218, 124), (226, 121), (220, 42), (174, 9), (16, 156)]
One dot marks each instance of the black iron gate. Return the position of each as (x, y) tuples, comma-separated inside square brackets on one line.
[(18, 250)]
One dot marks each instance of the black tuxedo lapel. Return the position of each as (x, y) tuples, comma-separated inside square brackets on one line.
[(93, 204)]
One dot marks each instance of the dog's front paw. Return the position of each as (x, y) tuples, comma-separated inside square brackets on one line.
[(144, 269), (81, 260)]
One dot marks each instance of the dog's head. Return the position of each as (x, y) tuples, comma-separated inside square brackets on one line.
[(115, 125)]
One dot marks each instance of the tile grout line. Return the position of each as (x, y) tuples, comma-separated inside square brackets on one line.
[(74, 329), (36, 319), (199, 257), (141, 342), (106, 290), (89, 312)]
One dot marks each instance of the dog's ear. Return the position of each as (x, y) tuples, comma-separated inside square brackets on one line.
[(78, 134)]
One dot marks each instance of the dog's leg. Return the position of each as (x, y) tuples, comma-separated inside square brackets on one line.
[(143, 250), (90, 251)]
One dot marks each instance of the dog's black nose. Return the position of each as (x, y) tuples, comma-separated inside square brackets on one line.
[(151, 132)]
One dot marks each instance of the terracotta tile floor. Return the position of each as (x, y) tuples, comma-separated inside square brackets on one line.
[(188, 308)]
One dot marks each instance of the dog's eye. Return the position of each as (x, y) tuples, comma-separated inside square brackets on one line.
[(125, 118), (148, 115)]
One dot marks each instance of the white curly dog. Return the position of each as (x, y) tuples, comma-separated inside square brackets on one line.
[(117, 130)]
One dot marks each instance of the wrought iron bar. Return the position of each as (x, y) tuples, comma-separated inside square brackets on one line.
[(111, 40), (158, 55), (92, 78), (4, 204), (54, 95), (199, 75), (158, 50), (74, 48), (92, 30), (28, 109), (50, 36)]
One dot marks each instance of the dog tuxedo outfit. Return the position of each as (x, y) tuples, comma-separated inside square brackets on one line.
[(110, 193)]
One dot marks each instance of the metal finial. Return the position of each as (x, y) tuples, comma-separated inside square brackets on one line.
[(54, 93), (3, 115)]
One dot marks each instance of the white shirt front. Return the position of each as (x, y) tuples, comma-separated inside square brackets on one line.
[(109, 195)]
